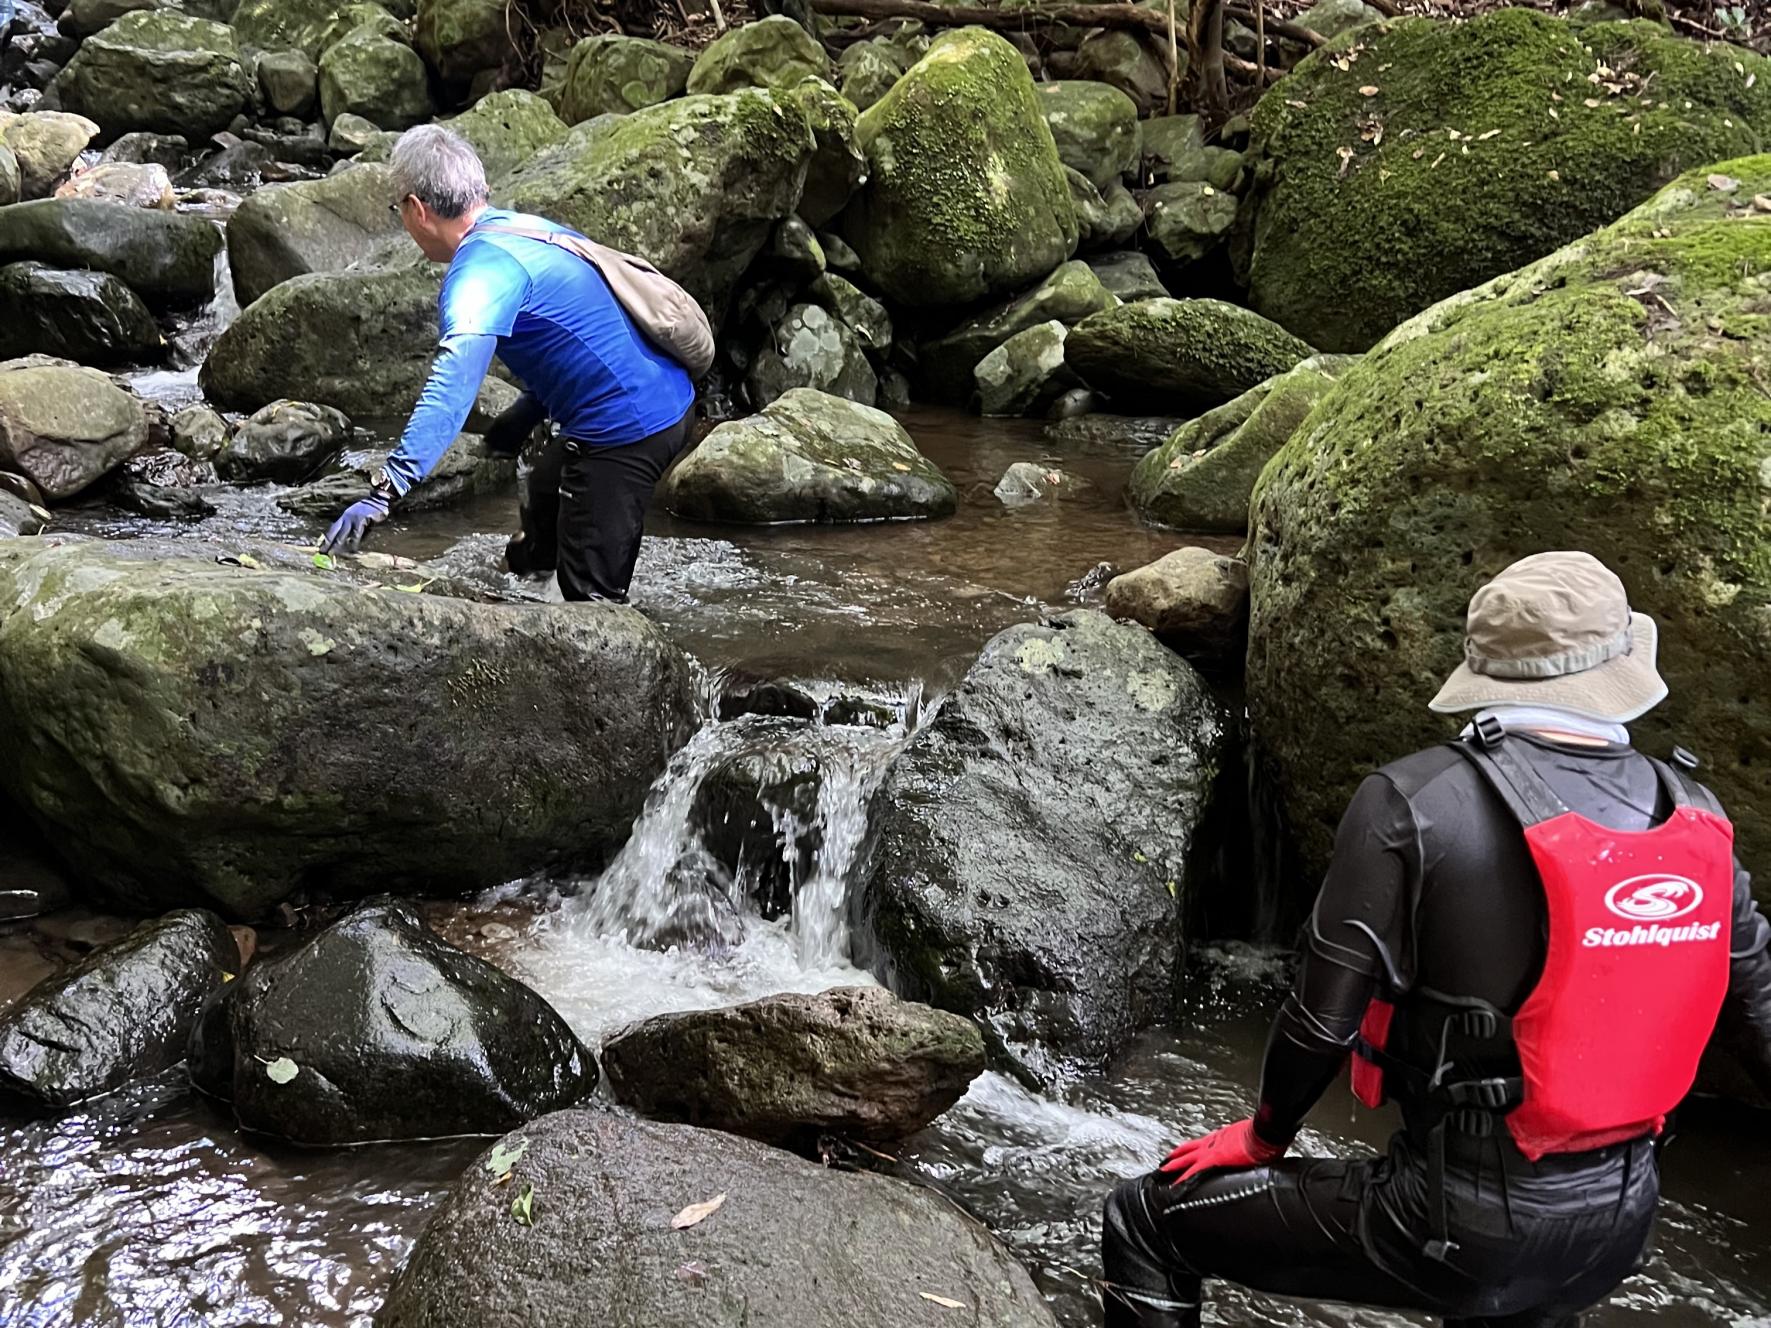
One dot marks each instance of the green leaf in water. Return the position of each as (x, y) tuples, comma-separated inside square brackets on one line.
[(281, 1070), (521, 1205), (323, 561), (1139, 857), (247, 560), (503, 1158)]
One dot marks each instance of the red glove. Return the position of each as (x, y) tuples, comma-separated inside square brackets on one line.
[(1232, 1147)]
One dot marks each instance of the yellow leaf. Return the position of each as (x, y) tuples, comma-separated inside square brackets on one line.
[(942, 1301), (1556, 175), (695, 1214), (1369, 90), (1492, 133), (899, 465)]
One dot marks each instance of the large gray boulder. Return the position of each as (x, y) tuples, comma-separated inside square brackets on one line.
[(87, 317), (809, 456), (64, 427), (286, 230), (595, 1242), (507, 129), (208, 762), (45, 144), (307, 26), (1032, 864), (772, 52), (285, 442), (124, 1013), (1069, 294), (377, 77), (613, 74), (159, 71), (464, 40), (165, 257), (854, 1062), (377, 1029), (1095, 127), (811, 348)]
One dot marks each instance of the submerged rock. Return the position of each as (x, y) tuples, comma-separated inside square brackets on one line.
[(965, 196), (616, 74), (1028, 482), (1196, 602), (377, 1029), (167, 258), (1031, 867), (809, 456), (1342, 251), (65, 427), (1595, 400), (160, 71), (286, 442), (87, 317), (1180, 354), (599, 1245), (854, 1062), (123, 1013), (220, 691)]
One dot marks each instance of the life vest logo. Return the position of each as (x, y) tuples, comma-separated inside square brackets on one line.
[(1654, 898)]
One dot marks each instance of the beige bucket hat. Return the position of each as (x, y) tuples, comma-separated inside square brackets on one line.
[(1555, 629)]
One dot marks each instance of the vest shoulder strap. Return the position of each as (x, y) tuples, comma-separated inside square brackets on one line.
[(1525, 792)]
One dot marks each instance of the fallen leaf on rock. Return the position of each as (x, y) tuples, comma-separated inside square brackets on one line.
[(695, 1214), (899, 465), (1369, 90), (942, 1301), (1298, 105), (281, 1070), (694, 1273), (1492, 133), (1725, 184), (522, 1207), (1762, 202), (504, 1158), (247, 560), (323, 561), (1346, 156)]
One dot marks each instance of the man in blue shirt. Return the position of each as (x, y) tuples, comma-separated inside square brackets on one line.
[(623, 407)]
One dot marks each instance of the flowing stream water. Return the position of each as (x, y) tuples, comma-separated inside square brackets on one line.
[(150, 1209)]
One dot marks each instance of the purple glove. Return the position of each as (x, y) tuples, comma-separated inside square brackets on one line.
[(346, 533)]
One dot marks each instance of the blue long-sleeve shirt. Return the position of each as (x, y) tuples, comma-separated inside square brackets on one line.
[(551, 317)]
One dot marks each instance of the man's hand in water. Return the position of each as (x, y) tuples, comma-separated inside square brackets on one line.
[(347, 532), (1234, 1146)]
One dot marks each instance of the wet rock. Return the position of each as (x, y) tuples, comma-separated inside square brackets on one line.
[(45, 145), (809, 456), (118, 182), (1026, 373), (286, 442), (1196, 602), (125, 1013), (1167, 139), (773, 52), (199, 433), (794, 252), (867, 71), (694, 185), (1127, 61), (145, 149), (161, 71), (1028, 482), (863, 314), (1188, 221), (1341, 252), (463, 39), (934, 225), (284, 231), (18, 517), (238, 168), (377, 1029), (1180, 354), (756, 810), (159, 502), (82, 18), (621, 74), (1129, 276), (466, 470), (374, 76), (1031, 868), (599, 1245), (765, 696), (87, 317), (1441, 458), (166, 258), (239, 789), (812, 349), (1203, 476), (351, 134), (291, 143), (290, 82), (1069, 294), (19, 486), (854, 1062), (1095, 127), (838, 166), (64, 427)]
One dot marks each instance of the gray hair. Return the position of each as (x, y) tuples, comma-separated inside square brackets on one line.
[(440, 168)]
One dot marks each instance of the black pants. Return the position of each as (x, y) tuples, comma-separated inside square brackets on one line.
[(1556, 1239), (584, 510)]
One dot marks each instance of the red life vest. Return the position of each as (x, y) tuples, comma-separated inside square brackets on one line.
[(1636, 969)]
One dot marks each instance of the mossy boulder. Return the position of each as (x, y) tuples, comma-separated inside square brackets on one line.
[(174, 725), (1188, 220), (285, 230), (1095, 127), (1130, 62), (1609, 398), (1183, 355), (167, 258), (1167, 139), (773, 52), (11, 177), (865, 316), (507, 129), (617, 75), (1070, 294), (838, 165), (462, 39), (1026, 373), (1557, 131), (966, 197), (88, 317), (374, 76), (868, 70), (809, 456), (63, 427), (1202, 477), (812, 348), (308, 26), (44, 144), (289, 81), (160, 71), (694, 185)]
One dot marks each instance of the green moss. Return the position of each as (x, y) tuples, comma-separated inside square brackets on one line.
[(1343, 253), (1603, 399), (772, 52), (1180, 354)]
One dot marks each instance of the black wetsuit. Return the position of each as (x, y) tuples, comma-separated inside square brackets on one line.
[(1431, 888)]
